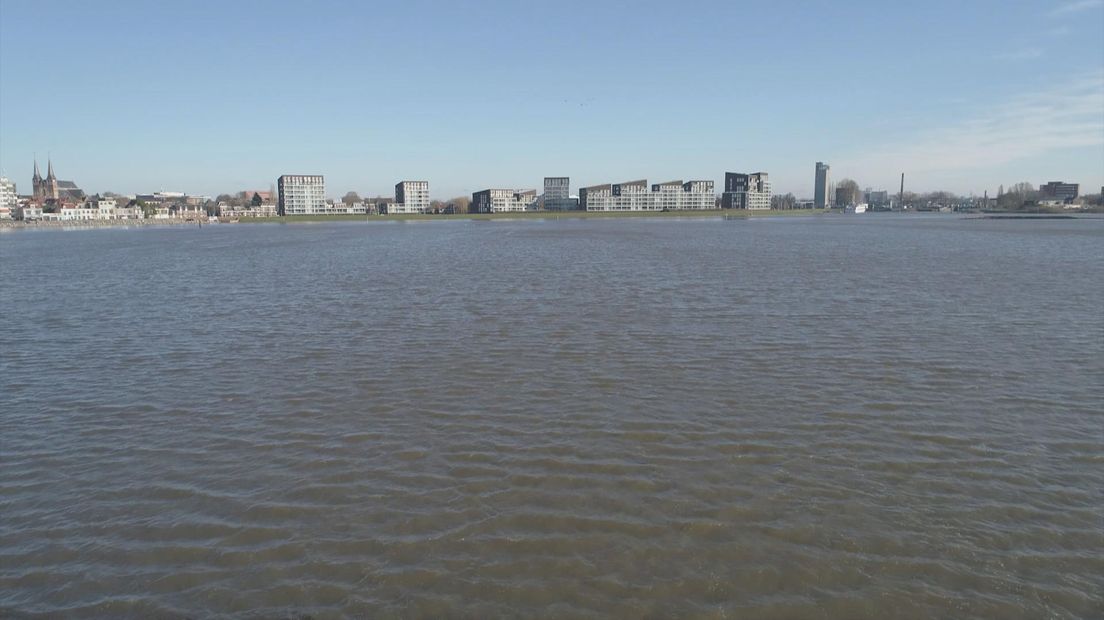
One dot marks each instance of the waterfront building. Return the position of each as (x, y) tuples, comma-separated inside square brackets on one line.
[(27, 210), (186, 211), (104, 206), (301, 194), (338, 207), (129, 212), (504, 200), (265, 209), (9, 199), (638, 196), (50, 189), (69, 212), (557, 195), (410, 197), (746, 191), (821, 197), (1059, 191), (876, 198), (665, 196)]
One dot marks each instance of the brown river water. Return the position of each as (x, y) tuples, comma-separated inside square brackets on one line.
[(875, 416)]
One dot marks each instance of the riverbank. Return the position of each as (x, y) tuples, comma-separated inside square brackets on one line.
[(428, 217), (70, 224), (530, 215), (527, 215)]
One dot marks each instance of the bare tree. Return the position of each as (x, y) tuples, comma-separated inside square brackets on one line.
[(460, 204), (783, 201), (1017, 196), (847, 193), (350, 198)]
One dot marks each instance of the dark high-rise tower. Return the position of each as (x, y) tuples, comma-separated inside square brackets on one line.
[(821, 199)]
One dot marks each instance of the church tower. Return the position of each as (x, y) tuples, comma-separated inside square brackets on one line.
[(51, 185), (39, 191)]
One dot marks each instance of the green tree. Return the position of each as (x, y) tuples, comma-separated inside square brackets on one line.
[(256, 201)]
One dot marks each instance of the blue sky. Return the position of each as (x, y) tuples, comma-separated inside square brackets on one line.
[(212, 97)]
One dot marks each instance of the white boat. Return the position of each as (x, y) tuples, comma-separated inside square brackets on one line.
[(855, 208)]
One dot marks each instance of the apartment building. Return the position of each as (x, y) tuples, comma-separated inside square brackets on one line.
[(1060, 191), (410, 197), (8, 198), (301, 194), (504, 200), (557, 195), (746, 191), (638, 196)]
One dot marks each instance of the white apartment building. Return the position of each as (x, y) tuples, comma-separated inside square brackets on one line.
[(504, 200), (637, 196), (301, 194), (9, 199), (410, 197)]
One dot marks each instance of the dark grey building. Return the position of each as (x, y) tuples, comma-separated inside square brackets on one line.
[(821, 198), (1058, 190), (557, 195)]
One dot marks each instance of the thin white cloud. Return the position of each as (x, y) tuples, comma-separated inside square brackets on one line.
[(1076, 6), (1066, 116), (1027, 53)]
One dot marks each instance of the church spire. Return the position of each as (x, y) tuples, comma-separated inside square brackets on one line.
[(49, 169), (37, 175)]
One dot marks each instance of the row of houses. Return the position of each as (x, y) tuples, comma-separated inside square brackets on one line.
[(98, 208)]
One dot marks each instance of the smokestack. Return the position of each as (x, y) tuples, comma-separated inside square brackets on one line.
[(901, 196)]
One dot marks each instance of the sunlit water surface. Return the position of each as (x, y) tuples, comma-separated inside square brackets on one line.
[(822, 417)]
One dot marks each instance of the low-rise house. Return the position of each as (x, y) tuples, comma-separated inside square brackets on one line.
[(28, 211), (188, 211), (262, 210), (337, 207), (129, 213)]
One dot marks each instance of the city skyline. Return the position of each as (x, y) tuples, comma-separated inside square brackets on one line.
[(944, 100)]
